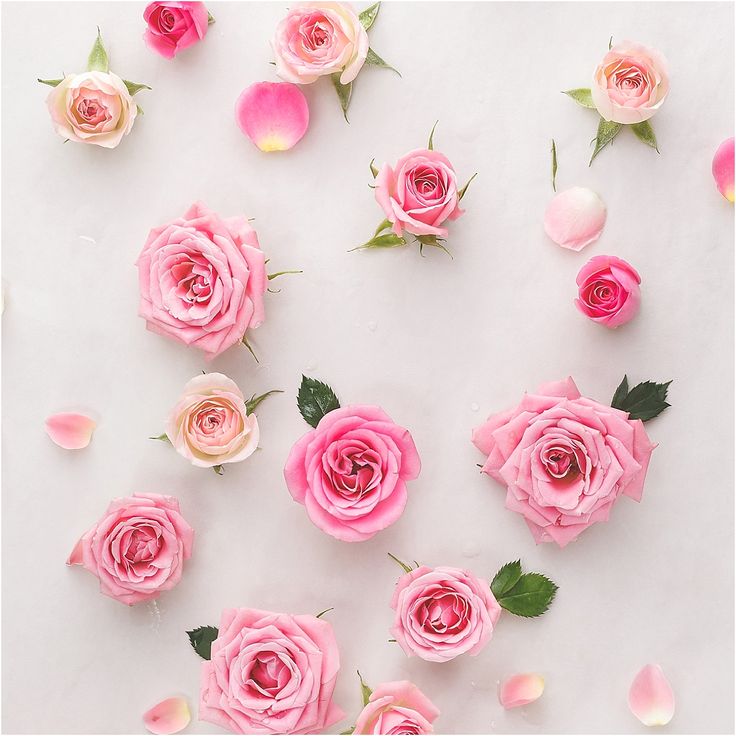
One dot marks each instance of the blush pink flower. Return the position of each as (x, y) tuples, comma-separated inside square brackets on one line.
[(317, 39), (564, 459), (174, 26), (722, 168), (630, 84), (202, 280), (137, 549), (351, 471), (397, 708), (443, 612), (608, 290), (271, 673)]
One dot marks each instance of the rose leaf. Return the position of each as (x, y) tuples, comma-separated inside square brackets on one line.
[(645, 401), (506, 578), (530, 596), (315, 399), (202, 638)]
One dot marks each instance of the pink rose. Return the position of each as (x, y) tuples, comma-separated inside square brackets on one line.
[(137, 549), (564, 459), (92, 107), (351, 471), (174, 26), (202, 280), (210, 424), (608, 290), (419, 193), (397, 708), (271, 673), (319, 38), (443, 612), (630, 84)]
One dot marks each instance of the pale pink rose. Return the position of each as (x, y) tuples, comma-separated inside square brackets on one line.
[(137, 549), (419, 194), (722, 168), (319, 38), (271, 673), (443, 612), (608, 290), (351, 471), (397, 708), (202, 280), (630, 84), (174, 26), (92, 107), (564, 459), (210, 424)]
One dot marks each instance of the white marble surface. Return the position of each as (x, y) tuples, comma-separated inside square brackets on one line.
[(439, 343)]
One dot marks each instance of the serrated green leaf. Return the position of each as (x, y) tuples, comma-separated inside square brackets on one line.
[(430, 144), (645, 401), (607, 131), (344, 92), (645, 133), (219, 470), (582, 96), (315, 399), (254, 401), (554, 166), (621, 392), (464, 189), (374, 59), (368, 17), (365, 691), (163, 437), (506, 578), (98, 61), (51, 82), (390, 240), (134, 87), (322, 613), (201, 640), (374, 170), (530, 596)]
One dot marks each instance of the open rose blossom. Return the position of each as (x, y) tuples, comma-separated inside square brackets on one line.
[(317, 39), (608, 291), (137, 549), (174, 26), (271, 673), (210, 424), (443, 612), (351, 471), (397, 708), (564, 459), (630, 84), (202, 279)]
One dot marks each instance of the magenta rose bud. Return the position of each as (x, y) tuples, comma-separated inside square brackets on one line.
[(397, 708), (202, 279), (174, 26), (271, 673), (608, 290), (443, 612), (351, 471), (564, 459), (137, 549)]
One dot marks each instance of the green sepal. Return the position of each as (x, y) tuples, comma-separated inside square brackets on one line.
[(254, 401), (645, 401), (347, 731), (365, 691), (250, 349), (374, 59), (134, 87), (163, 437), (219, 470), (385, 224), (344, 92), (401, 564), (315, 399), (607, 131), (581, 95), (390, 240), (201, 640), (368, 17), (322, 613), (464, 189), (554, 166), (645, 133), (273, 276), (506, 578), (374, 170), (430, 144), (139, 109), (432, 240), (98, 60), (210, 18), (51, 82)]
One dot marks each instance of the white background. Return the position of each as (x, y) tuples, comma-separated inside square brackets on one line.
[(439, 343)]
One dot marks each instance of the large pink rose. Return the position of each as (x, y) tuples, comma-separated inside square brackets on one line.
[(271, 673), (397, 708), (137, 549), (630, 84), (317, 39), (564, 459), (443, 612), (419, 194), (608, 290), (351, 471), (202, 280), (174, 26)]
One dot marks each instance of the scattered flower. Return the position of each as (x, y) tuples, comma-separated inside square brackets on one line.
[(723, 168), (520, 690), (397, 708), (651, 698), (608, 290), (174, 26), (70, 431), (575, 218), (169, 716)]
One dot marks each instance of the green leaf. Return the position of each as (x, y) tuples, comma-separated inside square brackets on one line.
[(554, 166), (390, 240), (582, 96), (430, 144), (210, 19), (254, 401), (365, 691), (645, 133), (607, 131), (374, 59), (506, 578), (401, 564), (163, 437), (201, 640), (273, 276), (322, 613), (50, 82), (344, 91), (530, 596), (218, 469), (464, 189), (134, 87), (386, 223), (432, 240), (368, 17), (315, 399), (645, 401), (250, 349), (98, 61)]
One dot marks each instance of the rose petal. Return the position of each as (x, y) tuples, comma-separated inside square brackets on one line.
[(723, 169), (575, 218), (168, 716), (651, 698), (274, 115), (70, 431), (520, 690)]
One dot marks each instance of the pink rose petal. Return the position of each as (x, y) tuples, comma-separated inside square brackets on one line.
[(274, 115), (651, 698), (169, 716), (723, 169), (70, 431), (520, 690), (575, 218)]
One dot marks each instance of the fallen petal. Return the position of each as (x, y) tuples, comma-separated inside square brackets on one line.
[(575, 218), (723, 169), (274, 115), (169, 716), (520, 690), (651, 698), (70, 431)]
